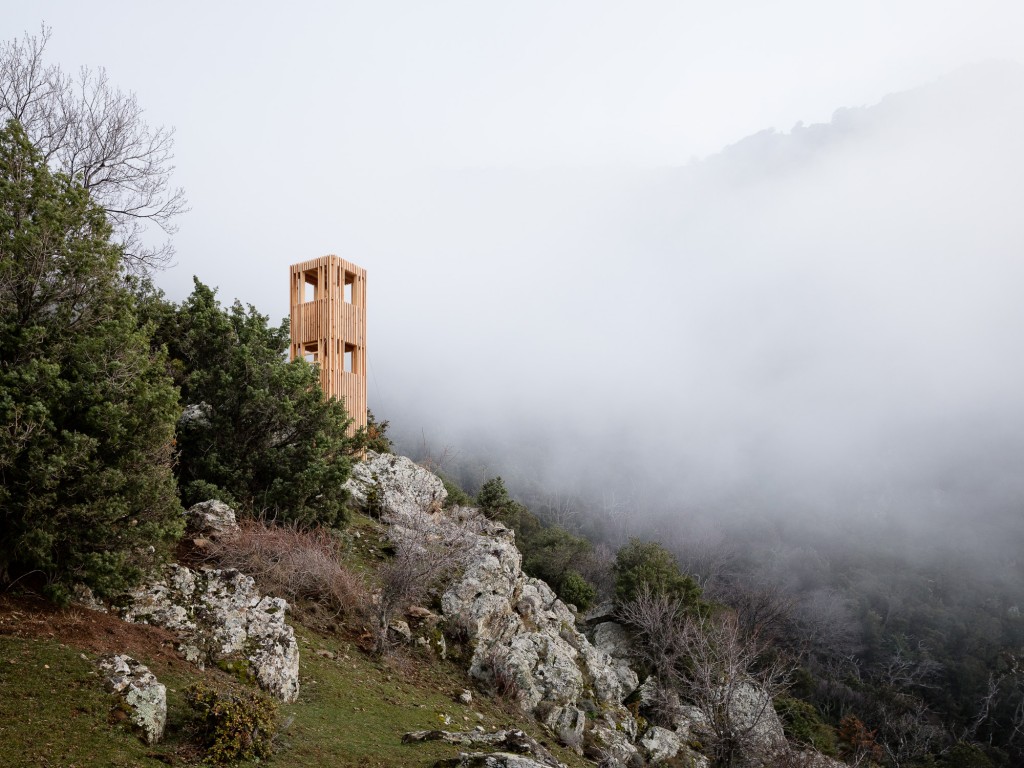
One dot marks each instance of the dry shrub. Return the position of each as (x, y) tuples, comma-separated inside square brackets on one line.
[(288, 561), (503, 678)]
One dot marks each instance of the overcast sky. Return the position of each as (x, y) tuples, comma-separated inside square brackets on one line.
[(576, 253)]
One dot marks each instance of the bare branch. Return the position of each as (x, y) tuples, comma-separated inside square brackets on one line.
[(97, 135)]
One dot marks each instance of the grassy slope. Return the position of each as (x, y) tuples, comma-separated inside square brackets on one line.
[(352, 711)]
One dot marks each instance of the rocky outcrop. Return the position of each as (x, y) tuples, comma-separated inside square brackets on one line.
[(386, 484), (221, 618), (510, 743), (489, 760), (142, 698), (211, 519), (524, 639), (613, 639), (659, 744)]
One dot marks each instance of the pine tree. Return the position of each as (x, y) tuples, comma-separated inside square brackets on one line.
[(87, 411)]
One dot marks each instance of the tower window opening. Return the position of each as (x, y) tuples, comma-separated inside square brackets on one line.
[(311, 353), (309, 286)]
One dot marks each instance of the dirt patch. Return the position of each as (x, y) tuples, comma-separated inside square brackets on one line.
[(28, 616)]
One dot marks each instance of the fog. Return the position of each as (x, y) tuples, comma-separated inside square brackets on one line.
[(818, 322), (824, 322)]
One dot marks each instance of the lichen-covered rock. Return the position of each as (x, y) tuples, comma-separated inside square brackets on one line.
[(659, 744), (612, 748), (144, 699), (613, 639), (388, 484), (400, 630), (567, 723), (523, 638), (752, 711), (489, 760), (524, 633), (212, 519), (82, 595), (220, 616), (195, 416), (512, 743), (689, 722), (752, 718)]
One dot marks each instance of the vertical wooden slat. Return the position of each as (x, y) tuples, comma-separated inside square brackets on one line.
[(330, 322)]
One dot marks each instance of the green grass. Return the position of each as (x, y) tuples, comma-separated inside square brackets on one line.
[(55, 712), (352, 710)]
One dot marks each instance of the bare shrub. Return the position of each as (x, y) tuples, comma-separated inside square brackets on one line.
[(302, 565), (731, 677), (429, 552), (656, 620), (503, 678)]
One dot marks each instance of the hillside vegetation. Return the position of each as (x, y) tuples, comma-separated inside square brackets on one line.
[(118, 409)]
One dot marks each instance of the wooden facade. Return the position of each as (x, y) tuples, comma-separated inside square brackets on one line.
[(328, 326)]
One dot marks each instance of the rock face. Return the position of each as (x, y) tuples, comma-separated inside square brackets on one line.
[(513, 745), (753, 713), (613, 639), (395, 485), (212, 519), (525, 645), (221, 617), (524, 639), (659, 744), (143, 698)]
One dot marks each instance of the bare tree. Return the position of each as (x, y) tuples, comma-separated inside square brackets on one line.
[(732, 679), (657, 622), (762, 610), (909, 730), (428, 553), (710, 559), (96, 134)]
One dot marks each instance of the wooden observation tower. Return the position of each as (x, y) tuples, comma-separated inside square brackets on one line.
[(328, 326)]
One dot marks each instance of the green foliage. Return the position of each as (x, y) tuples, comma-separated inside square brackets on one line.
[(456, 496), (802, 724), (258, 432), (641, 563), (493, 498), (87, 409), (549, 552), (964, 754), (372, 437), (232, 726), (576, 590)]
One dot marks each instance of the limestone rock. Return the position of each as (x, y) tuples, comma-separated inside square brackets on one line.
[(689, 722), (400, 630), (753, 710), (211, 519), (83, 596), (144, 698), (567, 723), (613, 639), (197, 415), (524, 639), (612, 748), (221, 616), (514, 743), (489, 760), (394, 485), (659, 744)]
